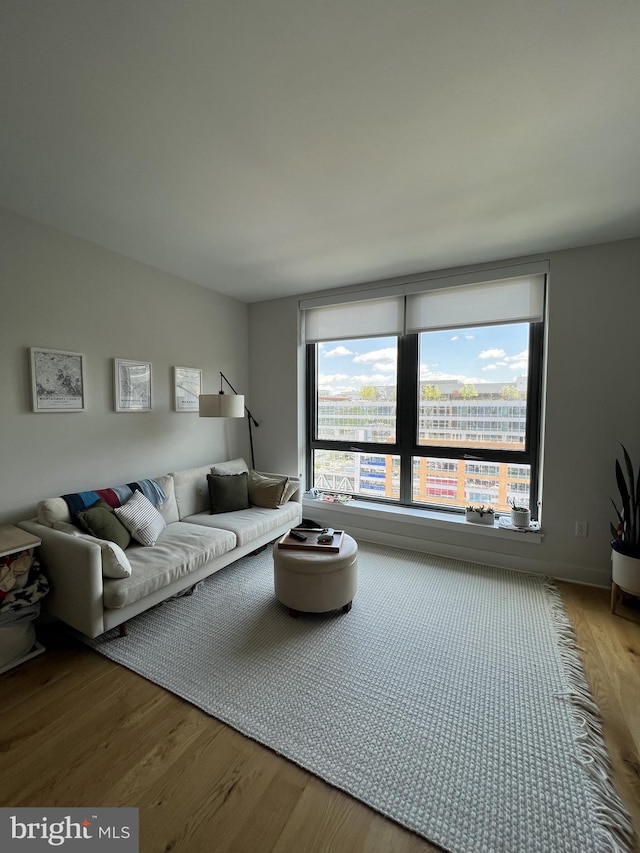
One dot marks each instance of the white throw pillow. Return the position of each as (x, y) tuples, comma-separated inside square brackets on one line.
[(141, 519), (115, 563)]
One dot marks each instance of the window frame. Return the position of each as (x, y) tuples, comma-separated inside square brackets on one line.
[(407, 425)]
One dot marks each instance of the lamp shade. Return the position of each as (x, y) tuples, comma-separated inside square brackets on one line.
[(221, 405)]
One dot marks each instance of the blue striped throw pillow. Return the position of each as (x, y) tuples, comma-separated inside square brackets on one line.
[(141, 519)]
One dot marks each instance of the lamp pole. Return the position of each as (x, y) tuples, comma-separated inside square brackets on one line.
[(250, 419)]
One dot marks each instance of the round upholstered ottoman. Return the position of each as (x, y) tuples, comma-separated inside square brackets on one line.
[(316, 581)]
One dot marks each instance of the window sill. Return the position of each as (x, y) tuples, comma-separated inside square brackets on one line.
[(423, 517)]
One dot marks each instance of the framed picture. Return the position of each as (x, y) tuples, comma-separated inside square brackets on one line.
[(132, 385), (187, 387), (57, 380)]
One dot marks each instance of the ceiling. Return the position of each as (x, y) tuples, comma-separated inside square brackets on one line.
[(265, 148)]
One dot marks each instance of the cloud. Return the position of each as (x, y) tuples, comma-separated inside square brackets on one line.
[(427, 375), (373, 379), (385, 368), (338, 351), (389, 354), (339, 391), (325, 379), (454, 338), (338, 384), (513, 362), (519, 361), (469, 337)]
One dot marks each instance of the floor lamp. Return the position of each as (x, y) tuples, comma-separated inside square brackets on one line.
[(223, 405)]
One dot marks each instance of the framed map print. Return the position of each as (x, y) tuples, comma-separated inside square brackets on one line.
[(132, 385), (187, 387), (57, 380)]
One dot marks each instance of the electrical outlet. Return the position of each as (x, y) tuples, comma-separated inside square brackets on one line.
[(582, 528)]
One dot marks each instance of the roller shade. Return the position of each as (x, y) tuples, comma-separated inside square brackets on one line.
[(516, 300), (363, 319), (514, 294)]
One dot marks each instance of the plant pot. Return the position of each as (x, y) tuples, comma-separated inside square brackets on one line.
[(625, 572), (475, 517), (521, 518)]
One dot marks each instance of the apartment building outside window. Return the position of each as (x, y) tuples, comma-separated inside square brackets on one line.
[(442, 409)]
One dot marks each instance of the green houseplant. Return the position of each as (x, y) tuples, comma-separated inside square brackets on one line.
[(520, 514), (625, 544), (480, 514)]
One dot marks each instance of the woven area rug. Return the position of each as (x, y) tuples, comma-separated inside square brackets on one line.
[(451, 698)]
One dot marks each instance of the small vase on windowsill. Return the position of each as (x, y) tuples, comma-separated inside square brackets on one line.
[(520, 515)]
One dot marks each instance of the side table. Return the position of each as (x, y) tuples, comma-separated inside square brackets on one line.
[(13, 540)]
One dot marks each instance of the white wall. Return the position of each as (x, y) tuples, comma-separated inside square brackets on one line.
[(592, 402), (61, 292), (64, 293), (276, 368)]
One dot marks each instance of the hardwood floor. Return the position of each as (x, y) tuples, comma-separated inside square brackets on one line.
[(80, 730)]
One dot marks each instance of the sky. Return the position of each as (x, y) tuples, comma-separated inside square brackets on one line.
[(473, 356)]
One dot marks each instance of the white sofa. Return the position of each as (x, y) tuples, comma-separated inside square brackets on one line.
[(193, 545)]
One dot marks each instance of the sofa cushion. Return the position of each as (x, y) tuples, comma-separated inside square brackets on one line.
[(192, 490), (228, 492), (250, 524), (100, 521), (180, 549), (169, 509), (233, 466), (141, 518)]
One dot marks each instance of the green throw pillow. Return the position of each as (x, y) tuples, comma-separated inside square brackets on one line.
[(100, 521), (228, 492), (267, 492)]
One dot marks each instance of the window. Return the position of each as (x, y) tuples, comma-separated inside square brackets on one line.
[(433, 398)]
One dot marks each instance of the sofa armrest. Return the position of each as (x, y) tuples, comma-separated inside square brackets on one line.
[(73, 567)]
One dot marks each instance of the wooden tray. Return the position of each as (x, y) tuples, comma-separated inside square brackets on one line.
[(312, 543)]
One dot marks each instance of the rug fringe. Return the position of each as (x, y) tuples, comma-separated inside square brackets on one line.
[(615, 827)]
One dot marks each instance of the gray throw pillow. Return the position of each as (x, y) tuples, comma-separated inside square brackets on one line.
[(228, 492), (100, 521)]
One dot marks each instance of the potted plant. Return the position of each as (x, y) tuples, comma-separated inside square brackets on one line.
[(520, 515), (625, 545), (480, 514)]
